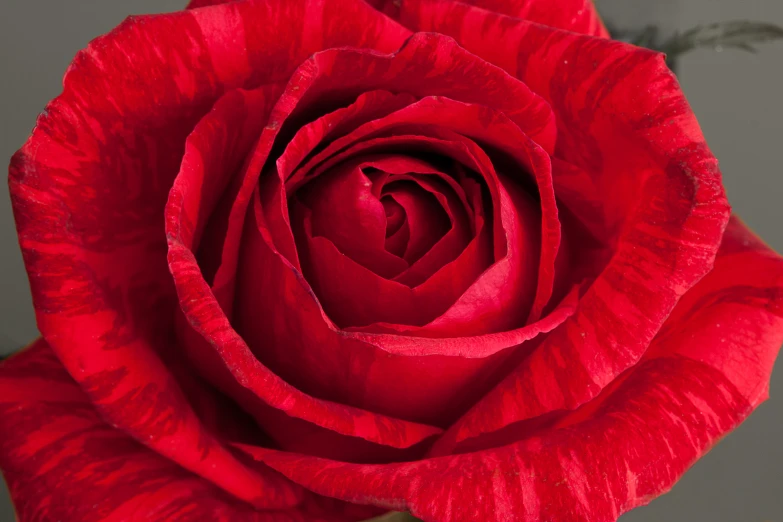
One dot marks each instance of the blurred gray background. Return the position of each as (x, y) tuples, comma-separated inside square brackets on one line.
[(736, 96)]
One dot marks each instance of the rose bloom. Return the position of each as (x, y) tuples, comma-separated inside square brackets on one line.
[(315, 260)]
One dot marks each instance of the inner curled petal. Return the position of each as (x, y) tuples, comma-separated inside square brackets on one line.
[(377, 208), (426, 219), (346, 212), (395, 215)]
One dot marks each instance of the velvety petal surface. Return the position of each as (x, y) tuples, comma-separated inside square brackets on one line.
[(705, 372), (61, 461), (619, 110), (346, 213)]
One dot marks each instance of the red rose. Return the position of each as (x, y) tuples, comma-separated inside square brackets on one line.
[(293, 261)]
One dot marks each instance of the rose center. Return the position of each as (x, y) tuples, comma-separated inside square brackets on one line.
[(395, 215), (415, 219)]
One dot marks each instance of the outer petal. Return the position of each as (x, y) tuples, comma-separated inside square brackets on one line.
[(579, 16), (619, 110), (63, 462), (706, 371), (89, 189)]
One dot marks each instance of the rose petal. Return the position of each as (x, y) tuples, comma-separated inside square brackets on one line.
[(219, 144), (61, 461), (353, 295), (673, 209), (347, 214), (314, 135), (579, 16), (427, 220), (453, 243), (398, 234), (395, 215), (273, 182), (736, 312), (706, 371), (576, 189)]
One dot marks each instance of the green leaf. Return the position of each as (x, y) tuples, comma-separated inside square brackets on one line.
[(738, 34)]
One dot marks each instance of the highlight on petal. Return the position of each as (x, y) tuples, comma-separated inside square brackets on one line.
[(704, 373)]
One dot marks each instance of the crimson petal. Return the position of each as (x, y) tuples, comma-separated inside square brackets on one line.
[(346, 213), (579, 16), (427, 221)]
